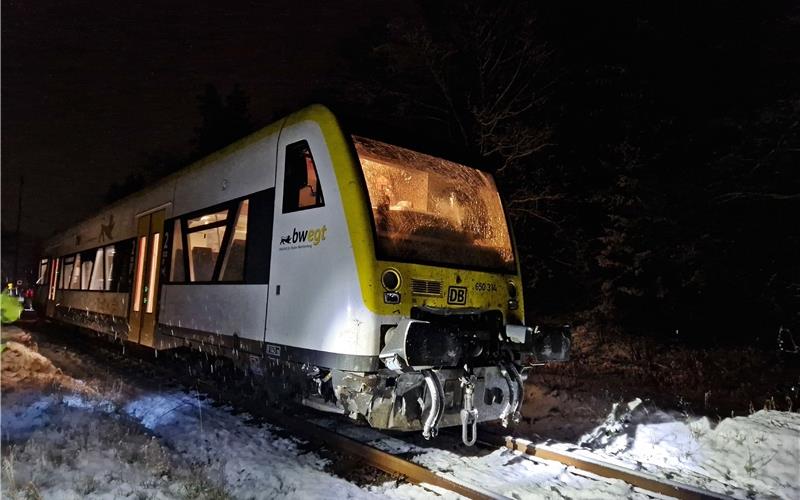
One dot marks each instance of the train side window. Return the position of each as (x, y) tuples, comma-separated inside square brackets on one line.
[(259, 232), (206, 219), (204, 247), (75, 278), (54, 273), (141, 249), (151, 286), (233, 263), (108, 267), (66, 273), (177, 272), (87, 263), (96, 280), (120, 272), (204, 238), (229, 244), (301, 186), (42, 272)]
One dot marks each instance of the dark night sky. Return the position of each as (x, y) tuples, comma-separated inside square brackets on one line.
[(90, 88), (674, 147)]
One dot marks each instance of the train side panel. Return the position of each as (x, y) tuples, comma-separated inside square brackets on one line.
[(230, 315), (316, 310), (242, 172), (234, 309), (241, 169), (114, 223), (101, 310)]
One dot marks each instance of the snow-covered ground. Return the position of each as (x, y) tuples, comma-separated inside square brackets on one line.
[(757, 456), (169, 445), (66, 437), (175, 445)]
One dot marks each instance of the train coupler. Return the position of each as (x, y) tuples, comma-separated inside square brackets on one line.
[(469, 414), (516, 391), (431, 426)]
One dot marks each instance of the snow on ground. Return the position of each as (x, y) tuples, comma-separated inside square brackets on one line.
[(169, 445), (60, 443), (70, 438), (743, 457), (251, 461)]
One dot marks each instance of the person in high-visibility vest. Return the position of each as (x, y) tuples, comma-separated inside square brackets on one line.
[(10, 307)]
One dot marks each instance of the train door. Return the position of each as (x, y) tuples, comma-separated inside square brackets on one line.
[(300, 263), (144, 294), (50, 307)]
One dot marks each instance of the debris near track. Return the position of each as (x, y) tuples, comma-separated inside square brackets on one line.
[(740, 457), (563, 401), (24, 369)]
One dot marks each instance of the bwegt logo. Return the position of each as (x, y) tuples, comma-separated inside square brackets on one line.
[(313, 236)]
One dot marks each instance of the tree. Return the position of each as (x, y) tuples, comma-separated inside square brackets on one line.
[(645, 161), (134, 181), (224, 121)]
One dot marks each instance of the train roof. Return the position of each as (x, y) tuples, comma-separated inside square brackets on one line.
[(315, 112)]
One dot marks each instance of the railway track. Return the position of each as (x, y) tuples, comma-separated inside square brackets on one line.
[(638, 479), (640, 482), (305, 424), (370, 455)]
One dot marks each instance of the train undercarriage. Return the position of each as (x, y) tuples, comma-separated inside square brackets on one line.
[(440, 374), (439, 370)]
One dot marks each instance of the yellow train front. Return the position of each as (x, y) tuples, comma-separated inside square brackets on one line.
[(440, 284)]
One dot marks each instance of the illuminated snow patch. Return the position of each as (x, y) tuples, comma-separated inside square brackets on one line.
[(156, 410), (21, 420), (741, 457), (80, 402)]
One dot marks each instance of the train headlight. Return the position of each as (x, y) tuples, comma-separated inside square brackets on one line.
[(512, 289), (390, 279), (391, 297)]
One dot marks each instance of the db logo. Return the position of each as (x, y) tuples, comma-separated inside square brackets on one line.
[(457, 295)]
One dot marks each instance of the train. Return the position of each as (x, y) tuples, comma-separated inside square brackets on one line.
[(371, 280)]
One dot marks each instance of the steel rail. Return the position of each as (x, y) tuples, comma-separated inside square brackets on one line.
[(370, 455), (638, 479)]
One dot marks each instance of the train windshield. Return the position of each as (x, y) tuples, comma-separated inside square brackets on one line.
[(430, 210)]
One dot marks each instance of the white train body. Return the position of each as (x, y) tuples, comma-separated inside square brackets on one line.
[(384, 280)]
